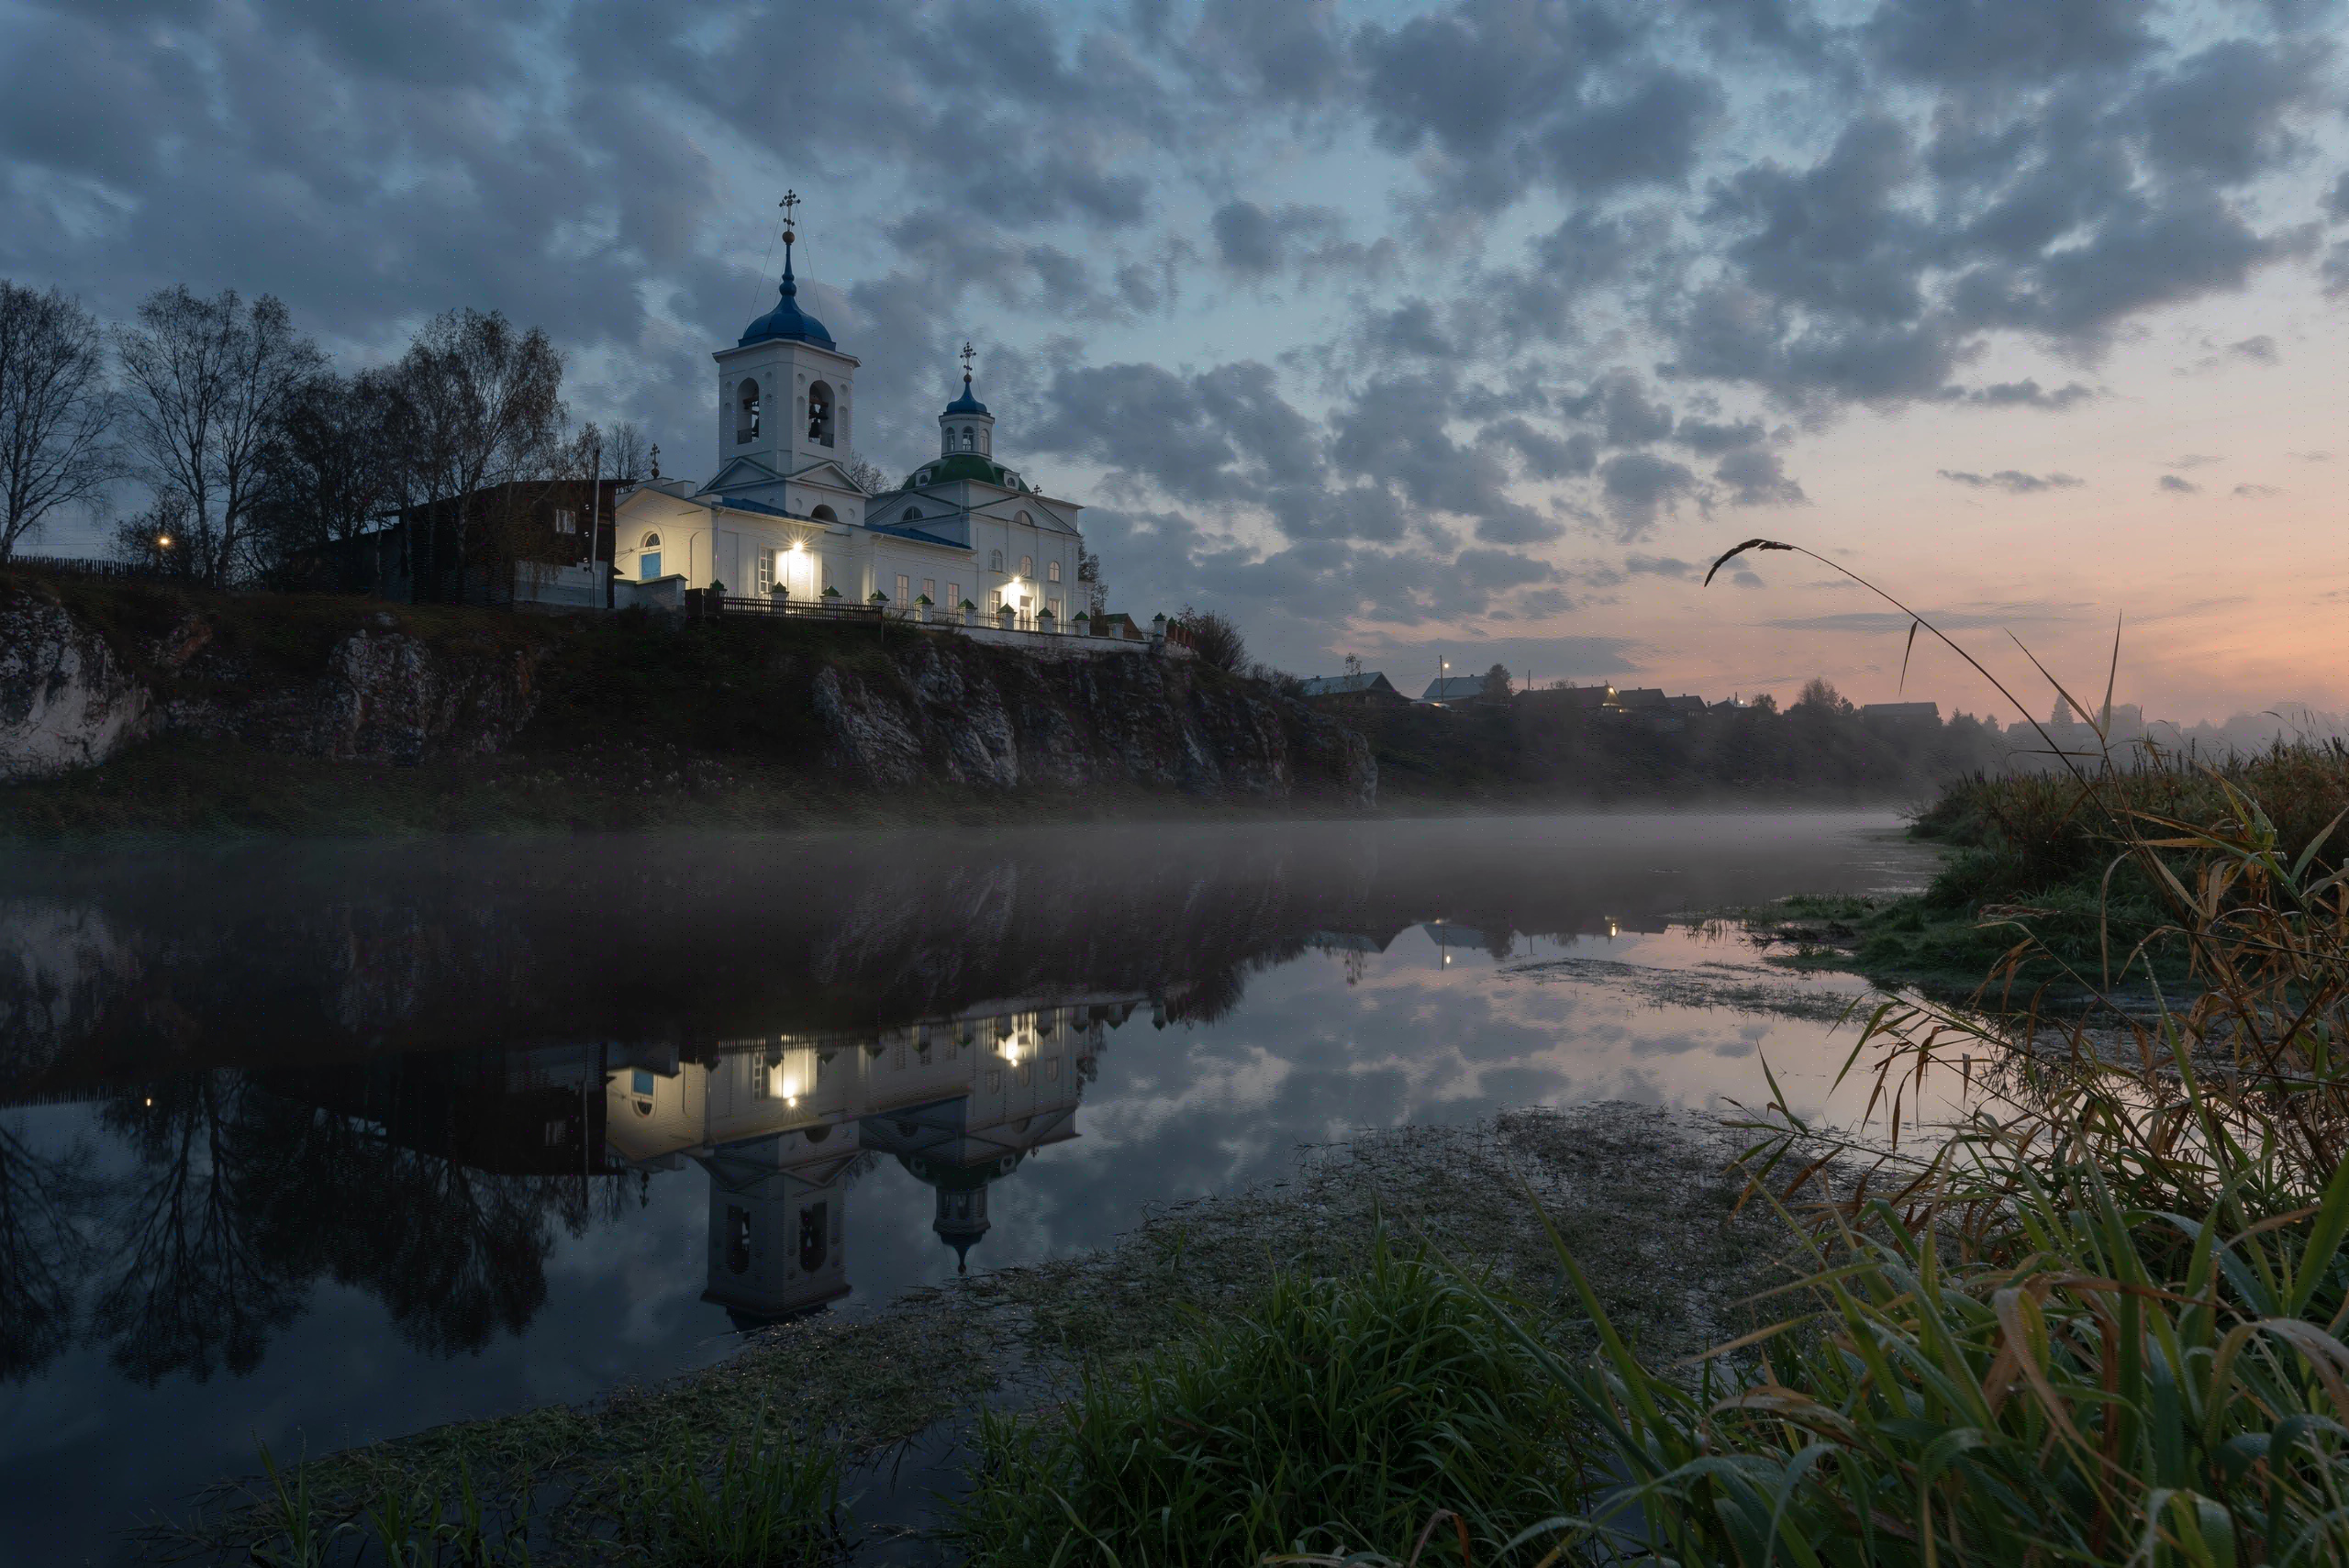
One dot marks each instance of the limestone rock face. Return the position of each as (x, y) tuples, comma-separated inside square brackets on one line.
[(65, 700), (921, 711), (949, 712), (69, 699)]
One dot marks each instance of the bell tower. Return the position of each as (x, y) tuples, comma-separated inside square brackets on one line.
[(966, 425), (786, 393)]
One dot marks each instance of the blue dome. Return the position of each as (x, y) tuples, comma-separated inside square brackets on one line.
[(786, 320), (966, 404)]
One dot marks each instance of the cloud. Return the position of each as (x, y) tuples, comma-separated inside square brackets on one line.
[(2170, 484), (2010, 481), (1755, 477), (1873, 623), (2249, 491), (2024, 394), (1964, 42), (1637, 485), (2192, 460)]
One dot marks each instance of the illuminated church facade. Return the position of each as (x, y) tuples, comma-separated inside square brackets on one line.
[(965, 540)]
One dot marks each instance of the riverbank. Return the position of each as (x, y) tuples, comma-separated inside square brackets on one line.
[(2036, 893), (1641, 1198), (138, 705)]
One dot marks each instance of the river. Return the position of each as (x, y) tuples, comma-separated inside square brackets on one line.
[(314, 1143)]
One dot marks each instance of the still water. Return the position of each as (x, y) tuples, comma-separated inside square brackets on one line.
[(309, 1144)]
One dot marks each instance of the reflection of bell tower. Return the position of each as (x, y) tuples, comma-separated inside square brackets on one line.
[(775, 1225), (962, 1202)]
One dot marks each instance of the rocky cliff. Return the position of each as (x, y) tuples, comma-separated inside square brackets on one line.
[(88, 669), (943, 709)]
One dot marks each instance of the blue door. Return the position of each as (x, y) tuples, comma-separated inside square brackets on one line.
[(647, 566)]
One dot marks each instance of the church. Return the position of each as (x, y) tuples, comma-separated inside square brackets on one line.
[(781, 517)]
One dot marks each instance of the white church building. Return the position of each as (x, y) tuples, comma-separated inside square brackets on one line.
[(782, 519)]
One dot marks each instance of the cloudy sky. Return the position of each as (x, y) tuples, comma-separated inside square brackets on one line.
[(1465, 328)]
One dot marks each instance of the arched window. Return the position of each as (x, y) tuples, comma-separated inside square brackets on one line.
[(994, 561), (648, 559), (746, 411), (913, 515), (819, 413), (1051, 572), (1027, 566), (1023, 520), (651, 541), (970, 440), (824, 515)]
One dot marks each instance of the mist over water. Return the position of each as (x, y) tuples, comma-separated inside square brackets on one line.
[(312, 1144)]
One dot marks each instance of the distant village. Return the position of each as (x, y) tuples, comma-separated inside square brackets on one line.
[(1370, 690)]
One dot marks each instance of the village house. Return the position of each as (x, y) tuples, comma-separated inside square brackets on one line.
[(1369, 689)]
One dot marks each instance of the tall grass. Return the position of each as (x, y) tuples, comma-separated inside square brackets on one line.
[(2102, 1322), (1335, 1417), (774, 1503)]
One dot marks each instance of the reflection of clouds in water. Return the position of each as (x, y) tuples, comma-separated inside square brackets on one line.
[(1348, 1016)]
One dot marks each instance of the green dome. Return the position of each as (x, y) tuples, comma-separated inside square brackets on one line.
[(965, 465)]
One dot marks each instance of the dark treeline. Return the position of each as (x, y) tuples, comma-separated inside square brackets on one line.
[(244, 448), (1539, 745)]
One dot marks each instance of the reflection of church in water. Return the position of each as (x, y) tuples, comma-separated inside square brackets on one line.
[(783, 1125)]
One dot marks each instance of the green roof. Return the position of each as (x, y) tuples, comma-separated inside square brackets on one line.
[(963, 465)]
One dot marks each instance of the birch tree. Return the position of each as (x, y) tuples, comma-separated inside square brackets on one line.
[(55, 410), (209, 380), (487, 409)]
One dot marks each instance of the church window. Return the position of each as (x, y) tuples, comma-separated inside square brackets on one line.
[(904, 592), (819, 413), (913, 515), (1053, 606), (814, 1240), (995, 600), (824, 515), (1027, 566), (1023, 520), (1051, 572), (929, 589), (766, 570), (994, 561), (970, 440), (954, 595), (746, 411)]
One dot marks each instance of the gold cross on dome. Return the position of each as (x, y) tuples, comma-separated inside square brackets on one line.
[(968, 355)]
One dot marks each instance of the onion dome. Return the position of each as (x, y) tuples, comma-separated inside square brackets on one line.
[(966, 404), (787, 321)]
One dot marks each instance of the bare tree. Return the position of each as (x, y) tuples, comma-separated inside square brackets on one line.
[(1214, 638), (624, 453), (155, 540), (209, 379), (488, 408), (55, 410), (866, 473), (1088, 574)]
